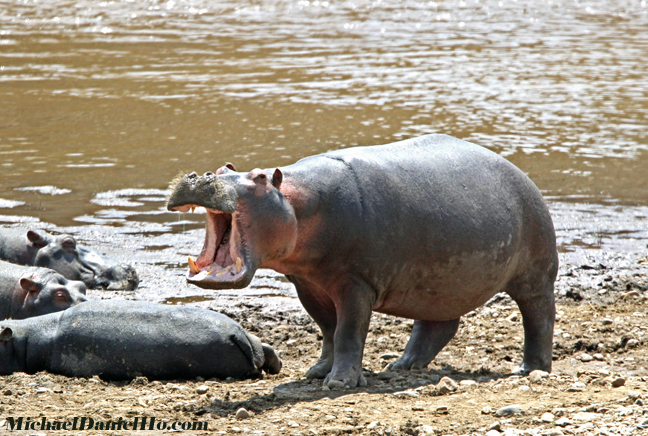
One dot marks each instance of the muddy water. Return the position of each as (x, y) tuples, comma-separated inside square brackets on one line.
[(102, 103)]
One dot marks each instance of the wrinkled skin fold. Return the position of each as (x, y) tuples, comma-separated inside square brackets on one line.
[(428, 228)]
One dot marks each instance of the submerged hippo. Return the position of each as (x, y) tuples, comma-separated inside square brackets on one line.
[(62, 254), (428, 228), (120, 340), (30, 291)]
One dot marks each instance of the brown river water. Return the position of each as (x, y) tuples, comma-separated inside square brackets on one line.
[(103, 102)]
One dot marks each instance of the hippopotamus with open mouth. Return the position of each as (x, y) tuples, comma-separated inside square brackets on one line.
[(428, 228), (31, 291), (63, 254), (121, 340)]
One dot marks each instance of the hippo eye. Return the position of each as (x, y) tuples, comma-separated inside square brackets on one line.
[(68, 243)]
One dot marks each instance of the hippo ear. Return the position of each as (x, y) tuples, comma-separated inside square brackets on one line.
[(277, 178), (36, 238), (230, 166), (6, 334), (29, 285)]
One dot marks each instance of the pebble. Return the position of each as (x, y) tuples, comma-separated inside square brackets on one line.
[(537, 375), (446, 385), (200, 390), (442, 410), (389, 356), (618, 382), (407, 394), (563, 422), (492, 433), (513, 409), (607, 321), (586, 416), (495, 426), (386, 375), (547, 417), (373, 425), (599, 357), (585, 357), (242, 414), (467, 382)]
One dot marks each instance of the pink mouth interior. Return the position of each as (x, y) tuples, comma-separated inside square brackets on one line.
[(220, 258)]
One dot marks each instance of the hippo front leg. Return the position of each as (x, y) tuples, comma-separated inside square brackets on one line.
[(322, 309), (354, 305)]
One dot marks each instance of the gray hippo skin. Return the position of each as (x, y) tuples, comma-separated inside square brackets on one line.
[(30, 291), (120, 340), (428, 228), (62, 254)]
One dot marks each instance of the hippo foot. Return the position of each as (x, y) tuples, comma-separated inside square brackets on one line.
[(407, 363), (320, 370), (345, 382)]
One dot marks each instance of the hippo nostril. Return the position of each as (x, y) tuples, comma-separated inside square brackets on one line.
[(208, 174)]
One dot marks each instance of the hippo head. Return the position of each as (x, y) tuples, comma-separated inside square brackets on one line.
[(8, 356), (249, 223), (45, 291), (74, 262)]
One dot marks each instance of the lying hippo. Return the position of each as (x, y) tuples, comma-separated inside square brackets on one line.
[(429, 228), (62, 254), (29, 291), (120, 340)]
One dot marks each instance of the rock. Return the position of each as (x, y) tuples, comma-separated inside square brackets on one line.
[(242, 414), (387, 356), (586, 416), (486, 411), (42, 390), (632, 343), (512, 317), (537, 375), (607, 321), (202, 389), (406, 394), (495, 426), (373, 425), (467, 383), (446, 385), (555, 432), (585, 357), (442, 410), (547, 417), (386, 375), (492, 433), (618, 382), (426, 430), (563, 422), (599, 357), (513, 409)]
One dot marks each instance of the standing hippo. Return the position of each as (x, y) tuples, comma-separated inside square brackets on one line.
[(428, 228), (62, 254), (29, 291), (120, 340)]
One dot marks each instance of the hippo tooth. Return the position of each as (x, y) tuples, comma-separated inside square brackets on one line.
[(193, 267), (239, 264), (220, 273), (192, 209)]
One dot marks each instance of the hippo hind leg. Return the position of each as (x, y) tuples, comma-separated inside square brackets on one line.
[(537, 305), (427, 339)]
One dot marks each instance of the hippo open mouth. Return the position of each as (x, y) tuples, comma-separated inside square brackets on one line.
[(222, 262)]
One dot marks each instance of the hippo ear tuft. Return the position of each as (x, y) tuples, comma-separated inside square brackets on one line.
[(29, 285), (277, 178), (230, 166), (36, 238), (6, 334)]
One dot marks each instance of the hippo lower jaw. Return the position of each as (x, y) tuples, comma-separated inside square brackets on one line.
[(222, 264)]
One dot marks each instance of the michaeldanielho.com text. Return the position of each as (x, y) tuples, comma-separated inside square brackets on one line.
[(87, 423)]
